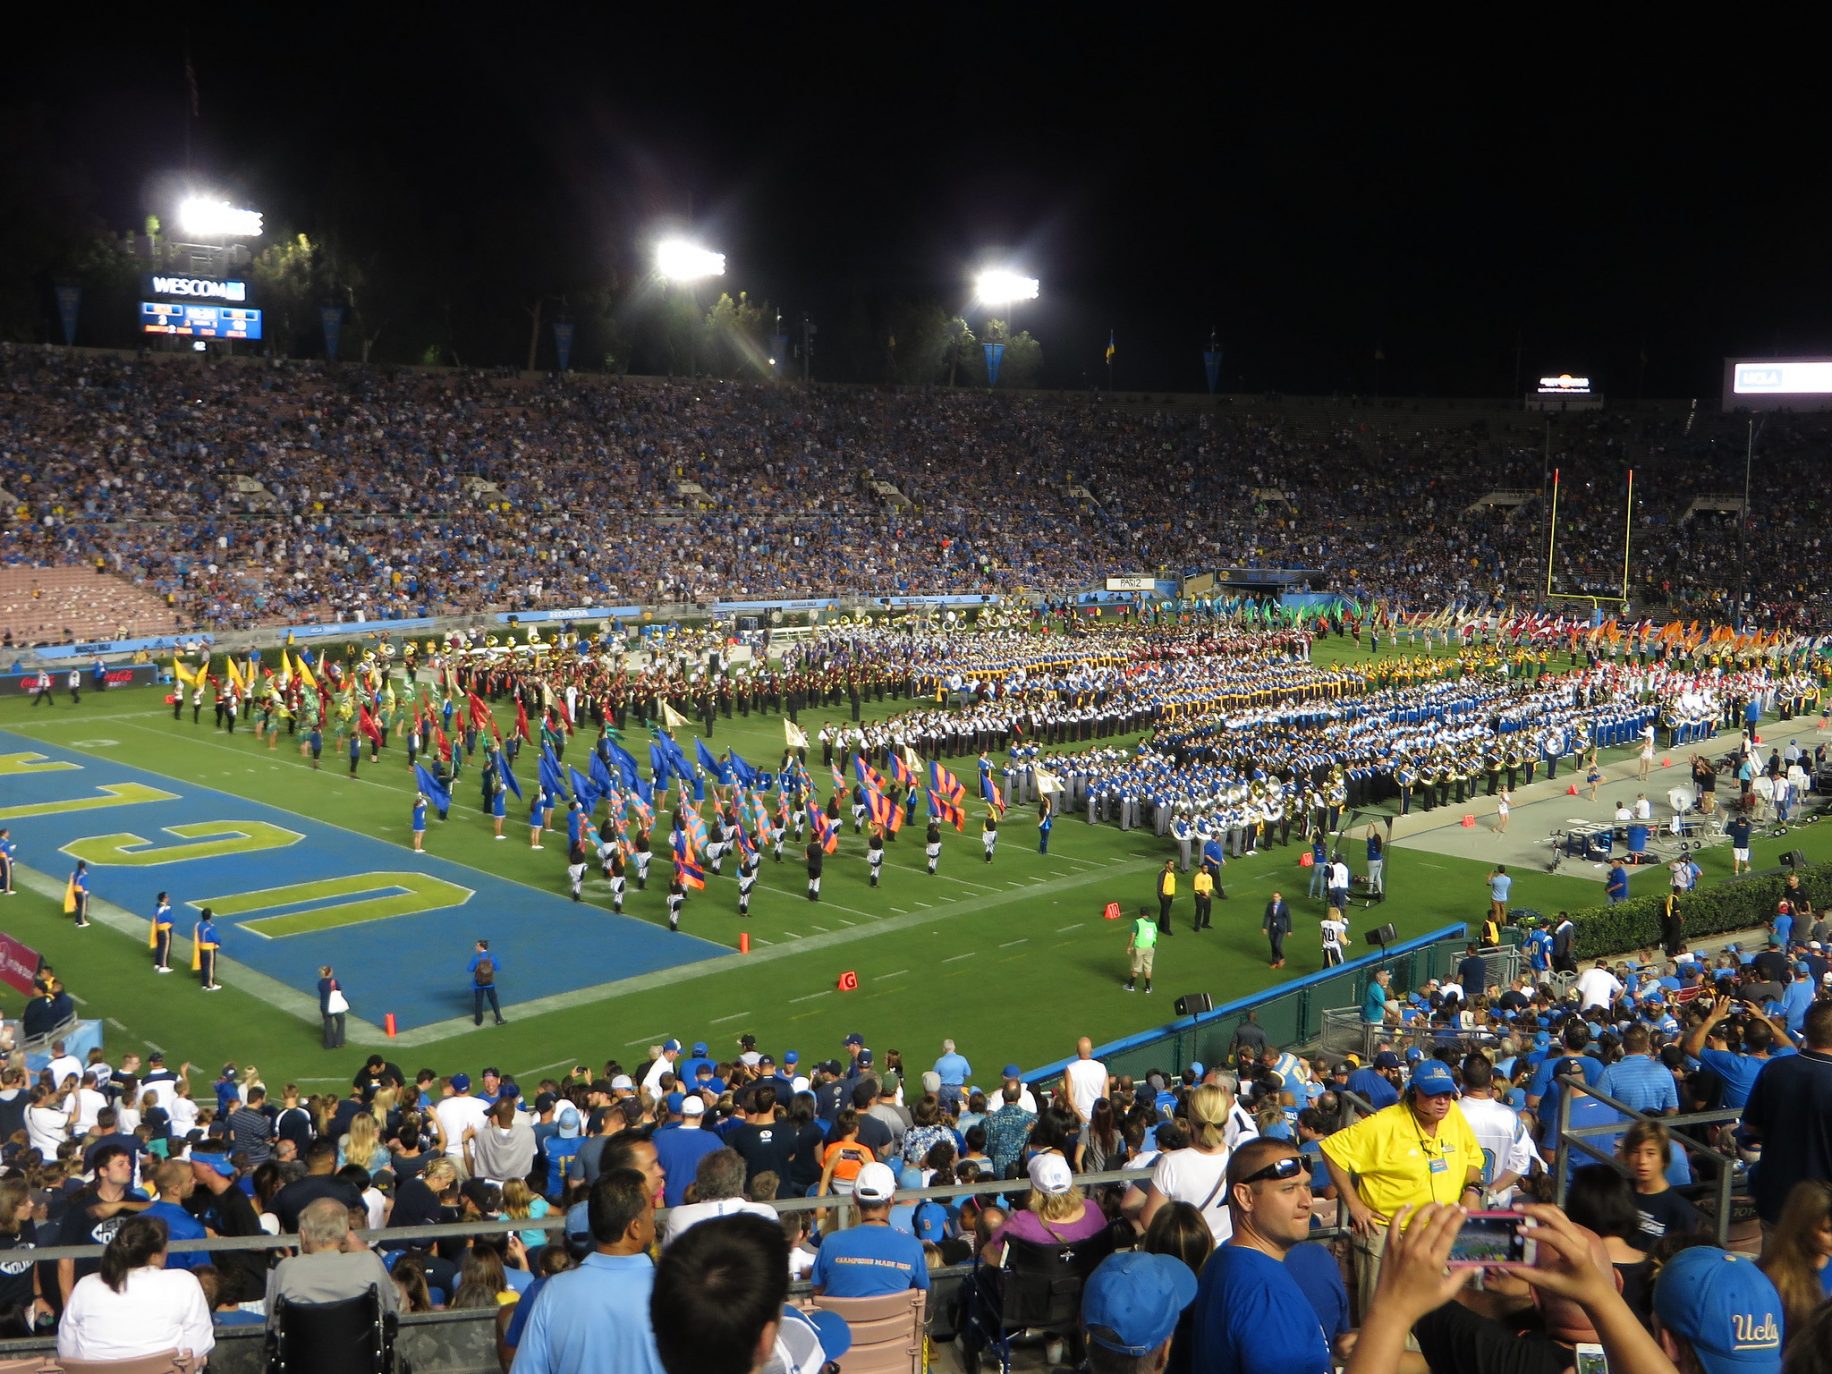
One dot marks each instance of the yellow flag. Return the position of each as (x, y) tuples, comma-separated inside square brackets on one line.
[(305, 673), (69, 896), (197, 953), (672, 718), (794, 735), (235, 674), (181, 673)]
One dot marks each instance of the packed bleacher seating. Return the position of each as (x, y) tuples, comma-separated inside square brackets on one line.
[(262, 493), (1505, 1073)]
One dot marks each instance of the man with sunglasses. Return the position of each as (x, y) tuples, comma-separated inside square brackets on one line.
[(1246, 1301)]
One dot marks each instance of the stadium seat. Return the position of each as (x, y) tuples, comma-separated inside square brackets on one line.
[(886, 1331)]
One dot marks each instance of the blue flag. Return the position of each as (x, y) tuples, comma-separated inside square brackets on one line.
[(583, 789), (624, 761), (742, 770), (436, 792), (659, 766), (502, 771), (552, 779), (601, 777), (714, 767)]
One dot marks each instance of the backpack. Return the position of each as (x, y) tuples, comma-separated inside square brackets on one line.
[(486, 971)]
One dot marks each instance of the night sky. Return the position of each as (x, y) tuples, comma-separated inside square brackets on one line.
[(1311, 193)]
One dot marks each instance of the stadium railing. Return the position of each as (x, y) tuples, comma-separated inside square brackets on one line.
[(461, 1342), (1291, 1015), (1726, 1211)]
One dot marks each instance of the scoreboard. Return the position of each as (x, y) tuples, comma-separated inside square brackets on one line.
[(199, 321)]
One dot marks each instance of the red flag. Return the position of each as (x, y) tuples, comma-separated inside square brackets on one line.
[(521, 721), (443, 744), (365, 725), (480, 713)]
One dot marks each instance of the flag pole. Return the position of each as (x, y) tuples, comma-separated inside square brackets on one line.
[(1552, 534)]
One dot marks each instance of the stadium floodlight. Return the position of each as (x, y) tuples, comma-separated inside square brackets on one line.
[(218, 219), (679, 260), (999, 286)]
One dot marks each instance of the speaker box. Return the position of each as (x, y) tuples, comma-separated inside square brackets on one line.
[(1381, 935), (1194, 1004)]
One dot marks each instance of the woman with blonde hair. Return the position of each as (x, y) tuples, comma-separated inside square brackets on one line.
[(1796, 1256), (1197, 1174), (1055, 1213), (363, 1145)]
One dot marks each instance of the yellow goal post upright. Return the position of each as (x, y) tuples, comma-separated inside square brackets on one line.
[(1628, 529)]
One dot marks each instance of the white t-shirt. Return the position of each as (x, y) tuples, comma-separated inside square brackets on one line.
[(88, 1102), (1644, 809), (46, 1128), (457, 1114), (157, 1309), (1597, 987), (1191, 1176), (1333, 931), (62, 1067), (692, 1213), (183, 1112), (1087, 1079), (1507, 1146)]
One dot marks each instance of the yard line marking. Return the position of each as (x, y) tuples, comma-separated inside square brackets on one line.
[(901, 911), (897, 974), (538, 1068), (736, 1016), (116, 1024), (647, 1040), (823, 929), (811, 996), (1077, 926), (1021, 940), (845, 922), (1013, 882), (759, 940), (953, 957), (793, 934)]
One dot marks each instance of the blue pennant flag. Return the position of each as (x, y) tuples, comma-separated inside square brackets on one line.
[(624, 761), (502, 771), (659, 766), (553, 781), (714, 766), (601, 777), (436, 792), (583, 789), (742, 770), (677, 761)]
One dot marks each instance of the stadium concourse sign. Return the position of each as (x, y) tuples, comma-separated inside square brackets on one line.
[(1132, 582)]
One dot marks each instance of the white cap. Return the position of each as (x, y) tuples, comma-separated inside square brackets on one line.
[(1050, 1174), (693, 1106), (875, 1183), (622, 1084)]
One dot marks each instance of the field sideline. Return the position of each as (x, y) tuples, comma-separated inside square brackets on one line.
[(1012, 959)]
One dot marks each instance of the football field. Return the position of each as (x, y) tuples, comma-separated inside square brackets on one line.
[(1011, 959)]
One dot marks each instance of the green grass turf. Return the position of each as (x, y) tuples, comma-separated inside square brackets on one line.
[(1015, 972)]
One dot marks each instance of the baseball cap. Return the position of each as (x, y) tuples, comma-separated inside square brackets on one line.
[(865, 1056), (764, 1061), (623, 1083), (1050, 1174), (545, 1102), (675, 1102), (461, 1082), (791, 1057), (1414, 1054), (1432, 1079), (492, 1072), (568, 1122), (694, 1106), (699, 1047), (1013, 1071), (671, 1046), (1133, 1299), (798, 1084), (855, 1039), (1386, 1059), (1725, 1306), (484, 1195), (875, 1183), (808, 1340)]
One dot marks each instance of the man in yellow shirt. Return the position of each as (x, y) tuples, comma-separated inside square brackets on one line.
[(1167, 893), (1419, 1150), (1204, 887)]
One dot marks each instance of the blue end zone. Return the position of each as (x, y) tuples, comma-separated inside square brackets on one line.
[(412, 965)]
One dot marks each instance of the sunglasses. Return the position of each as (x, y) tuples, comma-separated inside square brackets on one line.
[(1287, 1168)]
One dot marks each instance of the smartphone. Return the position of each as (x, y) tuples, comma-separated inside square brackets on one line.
[(1592, 1359), (1492, 1239)]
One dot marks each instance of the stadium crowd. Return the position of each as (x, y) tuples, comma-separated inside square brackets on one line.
[(1459, 1103), (258, 494)]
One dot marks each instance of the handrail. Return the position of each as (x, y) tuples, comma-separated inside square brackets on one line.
[(1569, 1136), (1259, 999)]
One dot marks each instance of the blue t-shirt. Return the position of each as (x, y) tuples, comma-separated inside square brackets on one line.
[(1498, 887), (1251, 1317), (1374, 1005), (180, 1225), (679, 1150), (1737, 1070), (867, 1261), (1370, 1083), (1316, 1271)]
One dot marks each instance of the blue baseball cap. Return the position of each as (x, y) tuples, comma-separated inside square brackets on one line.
[(1013, 1071), (1724, 1306), (791, 1058), (461, 1082), (1133, 1299), (671, 1046), (1414, 1054), (675, 1102), (699, 1047), (1433, 1079)]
